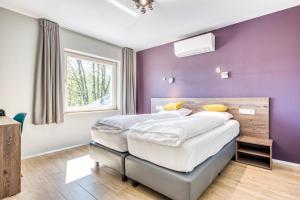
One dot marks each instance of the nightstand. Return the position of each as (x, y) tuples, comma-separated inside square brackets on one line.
[(254, 151)]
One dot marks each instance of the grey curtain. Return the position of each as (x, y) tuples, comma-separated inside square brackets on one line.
[(48, 100), (129, 82)]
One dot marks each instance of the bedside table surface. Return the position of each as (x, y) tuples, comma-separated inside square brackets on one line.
[(255, 140)]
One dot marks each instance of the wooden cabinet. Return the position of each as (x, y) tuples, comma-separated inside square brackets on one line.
[(10, 157), (254, 151)]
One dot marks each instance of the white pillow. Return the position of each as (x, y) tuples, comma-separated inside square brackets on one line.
[(181, 112), (225, 115)]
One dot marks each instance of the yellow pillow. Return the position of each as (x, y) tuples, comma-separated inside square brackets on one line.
[(173, 106), (215, 107)]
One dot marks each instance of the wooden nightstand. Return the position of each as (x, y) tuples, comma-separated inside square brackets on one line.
[(254, 151)]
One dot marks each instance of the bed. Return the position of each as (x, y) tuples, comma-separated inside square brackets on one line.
[(185, 157), (179, 185), (109, 143), (183, 174)]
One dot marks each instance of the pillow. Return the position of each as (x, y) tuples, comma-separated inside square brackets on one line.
[(215, 107), (181, 112), (225, 115), (173, 106)]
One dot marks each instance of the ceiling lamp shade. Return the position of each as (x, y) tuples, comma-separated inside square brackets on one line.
[(143, 4)]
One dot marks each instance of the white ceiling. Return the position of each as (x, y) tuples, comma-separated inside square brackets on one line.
[(120, 23)]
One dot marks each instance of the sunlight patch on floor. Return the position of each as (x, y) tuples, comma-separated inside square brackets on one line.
[(78, 168)]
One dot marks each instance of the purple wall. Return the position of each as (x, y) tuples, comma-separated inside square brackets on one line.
[(263, 58)]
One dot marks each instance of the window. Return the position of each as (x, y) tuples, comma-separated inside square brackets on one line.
[(90, 83)]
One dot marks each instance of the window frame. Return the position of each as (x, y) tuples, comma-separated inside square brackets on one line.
[(97, 59)]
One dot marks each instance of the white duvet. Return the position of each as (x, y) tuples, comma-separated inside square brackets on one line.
[(123, 122), (173, 132)]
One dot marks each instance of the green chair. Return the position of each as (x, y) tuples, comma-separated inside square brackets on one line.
[(20, 117)]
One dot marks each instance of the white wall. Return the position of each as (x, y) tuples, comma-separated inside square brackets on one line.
[(18, 47)]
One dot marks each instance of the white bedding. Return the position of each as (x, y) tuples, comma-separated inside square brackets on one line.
[(190, 153), (123, 122), (113, 141), (174, 131), (112, 132)]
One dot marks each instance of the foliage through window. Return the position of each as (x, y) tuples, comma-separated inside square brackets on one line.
[(90, 83)]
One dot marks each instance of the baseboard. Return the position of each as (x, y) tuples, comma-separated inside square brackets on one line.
[(286, 163), (53, 151), (79, 145)]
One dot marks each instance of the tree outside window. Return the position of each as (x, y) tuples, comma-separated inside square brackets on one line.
[(90, 83)]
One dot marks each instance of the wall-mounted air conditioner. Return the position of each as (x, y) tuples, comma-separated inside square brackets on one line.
[(196, 45)]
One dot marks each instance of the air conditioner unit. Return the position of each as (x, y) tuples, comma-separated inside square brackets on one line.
[(196, 45)]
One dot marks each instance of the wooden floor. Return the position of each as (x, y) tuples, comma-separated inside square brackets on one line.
[(71, 174)]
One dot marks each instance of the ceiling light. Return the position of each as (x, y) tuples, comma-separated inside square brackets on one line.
[(142, 4)]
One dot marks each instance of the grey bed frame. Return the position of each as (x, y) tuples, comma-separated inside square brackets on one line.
[(179, 185), (187, 186), (109, 157), (175, 185)]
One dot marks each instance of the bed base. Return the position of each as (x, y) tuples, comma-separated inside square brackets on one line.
[(179, 185), (134, 183), (109, 157)]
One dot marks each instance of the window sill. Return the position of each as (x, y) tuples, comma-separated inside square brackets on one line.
[(108, 111)]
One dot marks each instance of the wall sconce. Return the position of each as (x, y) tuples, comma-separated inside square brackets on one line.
[(224, 75), (170, 79)]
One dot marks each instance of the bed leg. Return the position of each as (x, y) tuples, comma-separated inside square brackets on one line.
[(124, 178), (134, 183), (97, 164)]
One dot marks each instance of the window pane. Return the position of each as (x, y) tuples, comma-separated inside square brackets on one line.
[(89, 84)]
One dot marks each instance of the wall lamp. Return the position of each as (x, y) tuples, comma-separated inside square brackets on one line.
[(224, 75), (170, 79)]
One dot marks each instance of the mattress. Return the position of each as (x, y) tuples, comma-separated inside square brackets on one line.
[(115, 141), (190, 154)]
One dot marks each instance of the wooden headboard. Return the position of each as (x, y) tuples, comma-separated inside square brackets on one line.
[(251, 125)]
